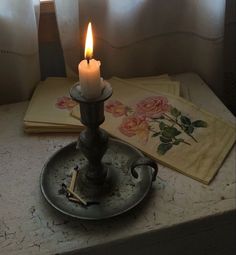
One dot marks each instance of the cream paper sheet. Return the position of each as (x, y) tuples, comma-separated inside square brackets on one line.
[(50, 105), (169, 129)]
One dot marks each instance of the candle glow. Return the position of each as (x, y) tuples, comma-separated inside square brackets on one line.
[(88, 52), (89, 70)]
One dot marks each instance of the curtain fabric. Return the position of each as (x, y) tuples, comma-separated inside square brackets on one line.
[(19, 59), (148, 37)]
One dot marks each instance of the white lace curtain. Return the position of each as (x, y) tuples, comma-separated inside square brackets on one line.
[(132, 38), (146, 37), (19, 61)]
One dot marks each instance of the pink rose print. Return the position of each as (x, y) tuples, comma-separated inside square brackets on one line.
[(65, 103), (135, 125), (153, 115), (116, 108), (153, 107)]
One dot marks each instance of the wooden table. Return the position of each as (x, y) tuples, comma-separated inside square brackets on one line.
[(179, 215)]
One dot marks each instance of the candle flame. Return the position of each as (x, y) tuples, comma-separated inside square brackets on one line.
[(88, 53)]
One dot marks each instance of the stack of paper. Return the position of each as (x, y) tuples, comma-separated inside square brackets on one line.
[(51, 106), (168, 128), (146, 113)]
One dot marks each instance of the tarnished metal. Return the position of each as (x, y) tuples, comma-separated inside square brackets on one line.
[(113, 176), (123, 192), (92, 141), (144, 161)]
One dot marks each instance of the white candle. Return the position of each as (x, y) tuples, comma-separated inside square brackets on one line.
[(89, 70)]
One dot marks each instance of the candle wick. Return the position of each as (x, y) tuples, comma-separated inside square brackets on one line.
[(87, 60)]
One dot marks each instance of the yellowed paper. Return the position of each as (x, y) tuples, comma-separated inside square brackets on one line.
[(51, 103), (38, 124), (52, 130), (50, 106), (165, 77), (170, 129), (154, 84), (35, 127)]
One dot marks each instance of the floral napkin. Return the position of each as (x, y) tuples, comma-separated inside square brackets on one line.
[(50, 106), (169, 129)]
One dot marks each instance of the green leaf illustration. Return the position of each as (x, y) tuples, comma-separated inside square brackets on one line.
[(178, 141), (165, 139), (166, 134), (163, 148), (189, 129), (175, 112), (199, 123), (170, 132), (156, 134), (185, 120), (162, 125)]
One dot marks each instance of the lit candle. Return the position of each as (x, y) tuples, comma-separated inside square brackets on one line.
[(89, 70)]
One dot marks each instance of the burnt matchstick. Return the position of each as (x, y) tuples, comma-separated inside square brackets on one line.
[(71, 195), (73, 178), (76, 196), (72, 199)]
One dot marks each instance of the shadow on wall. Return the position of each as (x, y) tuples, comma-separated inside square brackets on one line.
[(51, 60), (50, 50)]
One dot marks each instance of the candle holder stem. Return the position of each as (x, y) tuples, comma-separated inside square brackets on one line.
[(93, 142), (106, 186)]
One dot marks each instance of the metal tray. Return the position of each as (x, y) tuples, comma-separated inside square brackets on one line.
[(127, 193)]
